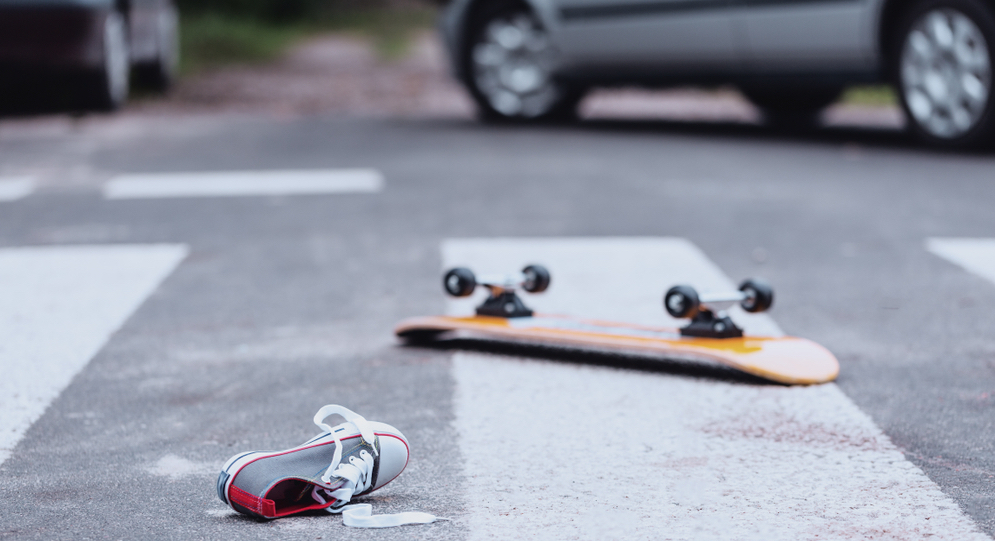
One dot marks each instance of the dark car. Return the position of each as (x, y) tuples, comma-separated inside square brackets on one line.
[(87, 50), (533, 59)]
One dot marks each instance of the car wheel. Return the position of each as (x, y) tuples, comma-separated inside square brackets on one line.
[(789, 107), (106, 88), (944, 73), (508, 66), (160, 74)]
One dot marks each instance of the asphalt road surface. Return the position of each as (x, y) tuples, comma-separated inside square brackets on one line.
[(156, 327)]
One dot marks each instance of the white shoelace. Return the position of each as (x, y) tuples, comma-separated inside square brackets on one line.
[(357, 477)]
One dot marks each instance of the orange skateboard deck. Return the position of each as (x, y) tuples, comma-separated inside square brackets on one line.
[(788, 360)]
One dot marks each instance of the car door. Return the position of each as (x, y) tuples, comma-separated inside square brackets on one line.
[(621, 34), (808, 35)]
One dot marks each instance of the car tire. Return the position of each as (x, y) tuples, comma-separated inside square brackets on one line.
[(106, 87), (942, 68), (508, 66), (788, 107), (160, 74)]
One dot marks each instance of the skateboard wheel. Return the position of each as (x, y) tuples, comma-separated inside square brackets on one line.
[(681, 302), (759, 295), (459, 282), (536, 279)]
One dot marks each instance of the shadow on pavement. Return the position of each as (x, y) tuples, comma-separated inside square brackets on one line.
[(858, 136), (34, 94), (885, 138), (658, 365)]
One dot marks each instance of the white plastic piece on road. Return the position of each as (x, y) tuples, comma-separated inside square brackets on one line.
[(59, 307), (975, 255), (562, 451), (360, 515), (14, 188), (243, 183)]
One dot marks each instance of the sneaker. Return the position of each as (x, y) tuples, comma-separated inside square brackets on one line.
[(326, 472)]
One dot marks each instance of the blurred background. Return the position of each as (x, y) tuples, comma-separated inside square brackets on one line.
[(379, 57), (309, 164)]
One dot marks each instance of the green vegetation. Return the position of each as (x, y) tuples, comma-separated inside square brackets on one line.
[(870, 95), (210, 40), (215, 38), (389, 29)]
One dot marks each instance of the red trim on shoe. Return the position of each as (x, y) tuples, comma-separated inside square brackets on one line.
[(319, 445), (294, 509), (270, 455), (266, 508)]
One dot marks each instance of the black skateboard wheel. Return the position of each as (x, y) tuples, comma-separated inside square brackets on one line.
[(536, 279), (759, 295), (459, 282), (681, 302)]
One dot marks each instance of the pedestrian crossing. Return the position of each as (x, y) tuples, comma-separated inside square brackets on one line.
[(243, 183), (976, 255), (214, 184), (559, 451), (60, 306), (556, 450), (14, 188)]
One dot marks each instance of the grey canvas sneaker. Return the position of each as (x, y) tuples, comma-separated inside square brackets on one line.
[(350, 459)]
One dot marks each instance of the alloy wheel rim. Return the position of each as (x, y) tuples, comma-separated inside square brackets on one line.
[(946, 73), (512, 66)]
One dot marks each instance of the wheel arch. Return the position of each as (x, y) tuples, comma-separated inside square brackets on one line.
[(888, 19), (465, 11)]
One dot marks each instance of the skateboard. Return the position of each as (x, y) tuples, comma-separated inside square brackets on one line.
[(710, 335)]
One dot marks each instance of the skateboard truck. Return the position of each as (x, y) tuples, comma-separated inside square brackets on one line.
[(502, 300), (708, 311)]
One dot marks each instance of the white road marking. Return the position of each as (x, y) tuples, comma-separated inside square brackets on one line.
[(243, 183), (14, 188), (59, 307), (975, 255), (557, 451)]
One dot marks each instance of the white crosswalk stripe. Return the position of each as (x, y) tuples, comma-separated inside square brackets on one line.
[(14, 188), (59, 307), (558, 451), (243, 183), (976, 255)]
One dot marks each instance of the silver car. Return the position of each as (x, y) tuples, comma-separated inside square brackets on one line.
[(534, 59)]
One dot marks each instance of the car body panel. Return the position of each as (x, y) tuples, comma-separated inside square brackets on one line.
[(106, 4), (50, 36), (647, 33), (833, 34), (671, 42), (66, 35)]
